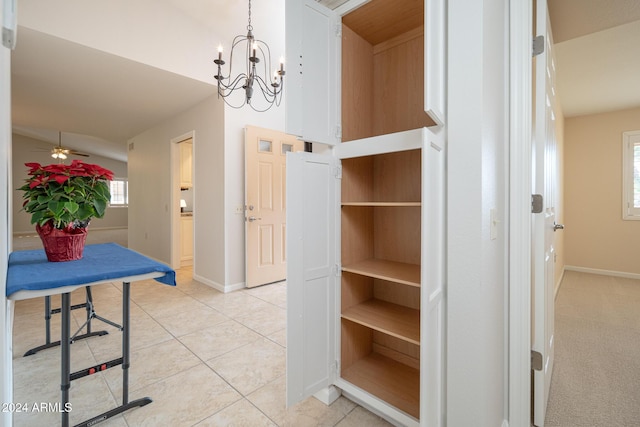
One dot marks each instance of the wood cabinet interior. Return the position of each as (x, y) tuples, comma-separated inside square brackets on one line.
[(383, 69), (380, 285)]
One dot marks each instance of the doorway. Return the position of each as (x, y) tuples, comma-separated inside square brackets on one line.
[(182, 200)]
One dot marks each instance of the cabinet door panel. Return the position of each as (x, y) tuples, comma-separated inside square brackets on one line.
[(313, 55), (435, 59), (433, 282), (311, 255)]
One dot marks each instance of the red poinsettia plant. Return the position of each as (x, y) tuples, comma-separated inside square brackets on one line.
[(66, 196)]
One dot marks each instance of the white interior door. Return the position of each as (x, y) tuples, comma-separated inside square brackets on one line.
[(265, 204), (545, 183)]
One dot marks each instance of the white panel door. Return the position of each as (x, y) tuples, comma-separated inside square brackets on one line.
[(265, 204), (311, 274), (543, 242), (313, 37)]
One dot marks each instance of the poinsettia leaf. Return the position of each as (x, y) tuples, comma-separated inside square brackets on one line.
[(37, 216), (84, 211), (100, 206), (55, 207), (71, 207)]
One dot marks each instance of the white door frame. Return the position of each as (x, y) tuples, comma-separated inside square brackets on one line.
[(175, 197), (520, 159)]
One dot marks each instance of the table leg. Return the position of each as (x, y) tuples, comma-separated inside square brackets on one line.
[(47, 319), (65, 360), (126, 290)]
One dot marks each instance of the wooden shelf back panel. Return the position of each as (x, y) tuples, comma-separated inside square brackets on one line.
[(395, 293), (391, 381), (396, 232), (356, 343), (357, 86), (396, 349), (355, 289), (392, 319), (357, 179), (408, 274), (357, 236), (397, 177)]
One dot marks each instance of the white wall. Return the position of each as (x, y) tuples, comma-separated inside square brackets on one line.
[(27, 149), (477, 172), (6, 315), (150, 188)]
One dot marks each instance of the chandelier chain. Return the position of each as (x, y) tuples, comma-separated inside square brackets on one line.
[(249, 27)]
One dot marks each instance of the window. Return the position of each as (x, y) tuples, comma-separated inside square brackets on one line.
[(631, 175), (119, 188)]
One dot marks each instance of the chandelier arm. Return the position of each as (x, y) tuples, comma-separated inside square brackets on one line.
[(266, 88), (233, 85), (267, 55)]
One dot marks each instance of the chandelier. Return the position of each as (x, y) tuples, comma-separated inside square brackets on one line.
[(249, 78)]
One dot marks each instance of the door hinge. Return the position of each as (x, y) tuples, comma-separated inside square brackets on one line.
[(536, 203), (335, 367), (338, 172), (338, 131), (538, 46), (536, 361), (338, 29), (337, 270)]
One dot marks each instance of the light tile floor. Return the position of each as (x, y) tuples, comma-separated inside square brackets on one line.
[(204, 357)]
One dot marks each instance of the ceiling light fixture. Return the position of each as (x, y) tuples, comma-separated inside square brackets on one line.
[(59, 152), (257, 51)]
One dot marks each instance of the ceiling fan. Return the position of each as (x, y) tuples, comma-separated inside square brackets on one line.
[(60, 152)]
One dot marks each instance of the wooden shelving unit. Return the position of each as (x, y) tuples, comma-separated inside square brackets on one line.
[(381, 211)]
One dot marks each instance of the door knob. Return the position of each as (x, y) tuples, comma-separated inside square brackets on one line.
[(253, 218), (558, 226)]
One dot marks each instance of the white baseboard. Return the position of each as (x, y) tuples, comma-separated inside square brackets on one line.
[(218, 286), (602, 272)]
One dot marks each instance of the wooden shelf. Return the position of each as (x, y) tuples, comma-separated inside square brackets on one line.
[(399, 272), (377, 204), (391, 381), (391, 319)]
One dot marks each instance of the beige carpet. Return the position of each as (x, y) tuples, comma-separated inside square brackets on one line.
[(32, 241), (596, 379)]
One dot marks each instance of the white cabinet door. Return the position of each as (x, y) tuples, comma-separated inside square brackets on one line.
[(433, 295), (311, 273), (313, 38), (435, 57)]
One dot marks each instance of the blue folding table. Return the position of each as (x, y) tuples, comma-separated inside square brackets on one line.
[(30, 275)]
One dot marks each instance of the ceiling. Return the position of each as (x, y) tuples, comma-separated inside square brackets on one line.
[(101, 100), (60, 85), (597, 50)]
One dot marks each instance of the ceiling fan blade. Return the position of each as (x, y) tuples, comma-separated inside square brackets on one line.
[(77, 153)]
